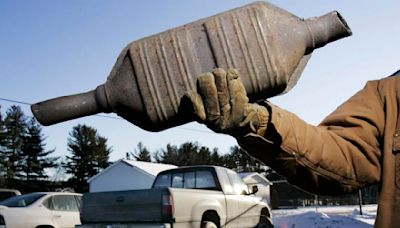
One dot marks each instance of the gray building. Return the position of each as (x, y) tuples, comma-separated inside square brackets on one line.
[(126, 175)]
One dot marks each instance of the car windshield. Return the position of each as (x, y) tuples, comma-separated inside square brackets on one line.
[(22, 200)]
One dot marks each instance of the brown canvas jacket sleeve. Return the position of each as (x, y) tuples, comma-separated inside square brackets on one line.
[(340, 155)]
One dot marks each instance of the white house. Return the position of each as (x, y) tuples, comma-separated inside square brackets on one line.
[(126, 175), (263, 184)]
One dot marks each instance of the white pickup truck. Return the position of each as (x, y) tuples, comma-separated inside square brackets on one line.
[(195, 196)]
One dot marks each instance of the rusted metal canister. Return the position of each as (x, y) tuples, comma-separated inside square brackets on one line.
[(268, 45)]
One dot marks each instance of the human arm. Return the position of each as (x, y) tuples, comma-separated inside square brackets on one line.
[(340, 155)]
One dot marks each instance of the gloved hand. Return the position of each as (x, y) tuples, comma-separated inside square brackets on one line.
[(222, 104)]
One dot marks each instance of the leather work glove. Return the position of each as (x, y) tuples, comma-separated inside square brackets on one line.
[(222, 104)]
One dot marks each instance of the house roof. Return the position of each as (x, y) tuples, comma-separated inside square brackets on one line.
[(148, 168), (151, 168)]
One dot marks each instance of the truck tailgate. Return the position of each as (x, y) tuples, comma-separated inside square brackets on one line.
[(124, 206)]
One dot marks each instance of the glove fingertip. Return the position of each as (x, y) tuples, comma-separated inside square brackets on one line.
[(219, 71), (232, 74)]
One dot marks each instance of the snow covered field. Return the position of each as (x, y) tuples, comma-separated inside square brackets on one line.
[(325, 217)]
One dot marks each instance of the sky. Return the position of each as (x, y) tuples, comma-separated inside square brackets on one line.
[(51, 48)]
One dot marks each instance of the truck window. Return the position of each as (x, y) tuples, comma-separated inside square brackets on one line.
[(201, 179), (239, 187), (163, 181), (189, 180), (226, 182), (177, 180), (204, 179)]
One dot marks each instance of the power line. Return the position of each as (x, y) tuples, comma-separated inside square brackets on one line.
[(191, 129), (26, 103), (109, 117), (14, 101)]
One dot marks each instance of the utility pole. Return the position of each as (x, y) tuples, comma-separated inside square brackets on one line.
[(360, 200)]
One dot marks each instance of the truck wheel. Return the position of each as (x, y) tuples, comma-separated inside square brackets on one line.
[(208, 224), (265, 220), (210, 219), (265, 223)]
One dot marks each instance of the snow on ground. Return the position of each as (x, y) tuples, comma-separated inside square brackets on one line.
[(325, 217)]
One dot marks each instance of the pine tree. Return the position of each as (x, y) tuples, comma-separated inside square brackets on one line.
[(89, 155), (14, 128), (188, 154), (141, 153), (2, 149), (240, 161), (216, 159), (203, 156), (35, 159), (168, 156)]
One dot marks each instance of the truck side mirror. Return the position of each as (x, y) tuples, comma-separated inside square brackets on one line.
[(254, 189)]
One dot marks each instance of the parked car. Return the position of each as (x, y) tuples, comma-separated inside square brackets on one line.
[(41, 209), (6, 193), (193, 196)]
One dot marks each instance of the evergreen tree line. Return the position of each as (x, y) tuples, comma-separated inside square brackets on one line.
[(191, 153), (27, 165)]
